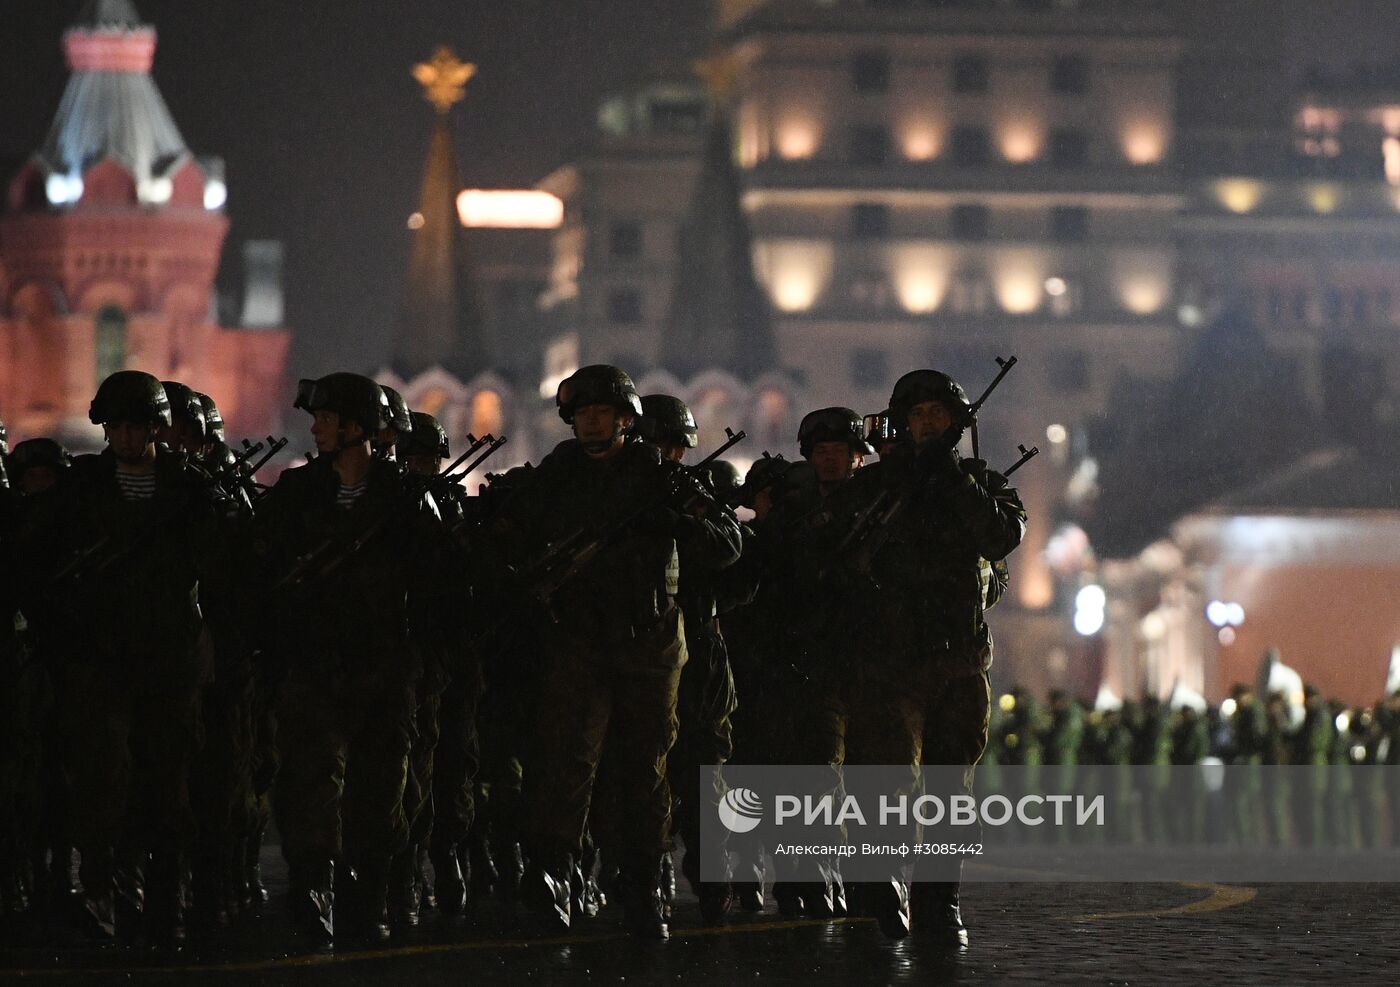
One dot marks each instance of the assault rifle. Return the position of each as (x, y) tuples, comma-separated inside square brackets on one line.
[(107, 550), (1026, 456), (561, 560), (871, 527), (335, 551)]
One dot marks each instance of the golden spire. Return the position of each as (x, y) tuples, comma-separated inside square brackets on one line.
[(444, 78)]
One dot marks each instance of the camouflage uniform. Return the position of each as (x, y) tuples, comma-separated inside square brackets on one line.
[(919, 692), (614, 652)]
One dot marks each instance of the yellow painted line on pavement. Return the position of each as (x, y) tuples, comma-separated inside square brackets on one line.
[(426, 949), (1221, 897)]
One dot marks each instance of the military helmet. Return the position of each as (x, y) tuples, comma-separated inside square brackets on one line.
[(353, 397), (667, 419), (832, 425), (184, 404), (428, 437), (769, 471), (598, 383), (919, 386), (130, 396), (722, 476), (399, 418), (213, 421), (38, 452)]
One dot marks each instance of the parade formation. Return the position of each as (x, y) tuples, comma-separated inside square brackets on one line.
[(438, 696)]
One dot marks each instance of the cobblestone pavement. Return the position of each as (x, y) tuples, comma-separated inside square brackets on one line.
[(1032, 933)]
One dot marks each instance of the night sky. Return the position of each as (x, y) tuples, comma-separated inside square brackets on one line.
[(323, 130)]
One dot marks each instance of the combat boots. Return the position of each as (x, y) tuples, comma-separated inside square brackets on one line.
[(368, 901), (311, 899), (749, 896), (889, 902), (937, 915), (252, 870), (449, 883), (547, 889), (98, 914), (480, 862), (165, 898), (405, 893), (644, 913)]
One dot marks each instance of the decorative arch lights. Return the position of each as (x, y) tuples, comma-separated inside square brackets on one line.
[(487, 414)]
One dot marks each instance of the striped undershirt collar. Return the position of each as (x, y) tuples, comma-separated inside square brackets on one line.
[(136, 486)]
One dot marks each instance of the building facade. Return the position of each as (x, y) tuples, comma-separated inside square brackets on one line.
[(109, 243)]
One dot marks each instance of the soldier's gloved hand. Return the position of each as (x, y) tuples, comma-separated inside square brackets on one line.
[(660, 520), (941, 463)]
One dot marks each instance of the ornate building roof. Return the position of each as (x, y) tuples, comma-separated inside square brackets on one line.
[(111, 108)]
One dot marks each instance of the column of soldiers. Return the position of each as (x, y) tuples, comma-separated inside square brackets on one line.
[(1250, 732), (437, 696)]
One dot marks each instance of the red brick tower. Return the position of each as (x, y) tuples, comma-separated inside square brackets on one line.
[(109, 243)]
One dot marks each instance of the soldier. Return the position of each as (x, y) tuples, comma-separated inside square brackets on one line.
[(832, 440), (442, 764), (707, 698), (399, 426), (252, 808), (353, 541), (919, 692), (134, 665), (614, 645), (213, 420), (37, 800)]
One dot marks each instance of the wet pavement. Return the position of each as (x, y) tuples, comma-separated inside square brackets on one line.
[(1031, 933)]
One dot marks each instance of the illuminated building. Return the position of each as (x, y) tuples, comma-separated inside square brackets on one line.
[(109, 243)]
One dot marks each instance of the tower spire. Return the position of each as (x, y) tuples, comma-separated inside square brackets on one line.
[(440, 322), (719, 315)]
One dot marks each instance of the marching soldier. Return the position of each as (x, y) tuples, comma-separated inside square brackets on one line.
[(615, 644), (707, 699), (919, 693), (139, 523), (346, 709)]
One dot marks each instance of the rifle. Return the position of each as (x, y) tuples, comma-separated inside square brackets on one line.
[(335, 551), (871, 527), (105, 551), (560, 561), (1026, 456)]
